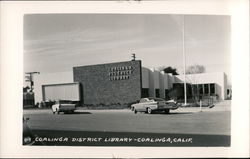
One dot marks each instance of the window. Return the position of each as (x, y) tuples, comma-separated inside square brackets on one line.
[(157, 93), (143, 100), (212, 88), (166, 94), (206, 88), (200, 88), (195, 90)]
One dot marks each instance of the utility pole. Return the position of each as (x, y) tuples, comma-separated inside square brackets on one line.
[(184, 60), (29, 78), (133, 57)]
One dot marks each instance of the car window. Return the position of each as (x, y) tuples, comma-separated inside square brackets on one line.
[(143, 100), (156, 99)]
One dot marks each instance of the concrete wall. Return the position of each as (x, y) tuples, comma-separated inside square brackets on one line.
[(154, 79), (110, 83), (50, 78), (151, 83), (145, 77), (169, 80), (161, 85)]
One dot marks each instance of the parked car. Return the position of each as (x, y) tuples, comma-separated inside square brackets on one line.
[(63, 106), (150, 104), (28, 136)]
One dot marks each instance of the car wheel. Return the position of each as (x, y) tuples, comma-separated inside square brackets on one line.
[(135, 111), (149, 110), (167, 111)]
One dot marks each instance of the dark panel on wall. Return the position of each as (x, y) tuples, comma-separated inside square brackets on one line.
[(110, 83), (144, 92)]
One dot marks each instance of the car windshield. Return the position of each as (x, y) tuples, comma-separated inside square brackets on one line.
[(155, 99)]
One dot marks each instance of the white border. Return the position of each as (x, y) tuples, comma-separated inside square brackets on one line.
[(12, 72)]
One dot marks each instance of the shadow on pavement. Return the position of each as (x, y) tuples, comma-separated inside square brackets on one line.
[(174, 113), (171, 113), (78, 113)]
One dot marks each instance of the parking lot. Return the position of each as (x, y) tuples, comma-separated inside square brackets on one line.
[(189, 121)]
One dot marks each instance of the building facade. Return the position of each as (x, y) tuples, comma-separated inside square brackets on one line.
[(109, 83), (158, 84), (126, 82)]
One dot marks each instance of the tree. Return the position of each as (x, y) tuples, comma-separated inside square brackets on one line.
[(195, 69), (170, 70), (177, 92)]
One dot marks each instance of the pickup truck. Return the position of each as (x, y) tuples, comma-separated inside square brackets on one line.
[(63, 106)]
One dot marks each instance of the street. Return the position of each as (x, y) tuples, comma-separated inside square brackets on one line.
[(183, 121), (127, 121)]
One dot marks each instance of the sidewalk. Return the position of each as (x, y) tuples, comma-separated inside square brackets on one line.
[(220, 106)]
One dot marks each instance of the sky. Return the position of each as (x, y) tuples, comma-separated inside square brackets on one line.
[(58, 42)]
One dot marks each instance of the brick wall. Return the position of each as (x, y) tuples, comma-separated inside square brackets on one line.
[(110, 83)]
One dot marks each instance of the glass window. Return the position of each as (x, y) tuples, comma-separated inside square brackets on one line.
[(195, 89), (212, 88), (157, 93), (206, 89), (166, 94), (200, 87), (155, 99), (143, 100)]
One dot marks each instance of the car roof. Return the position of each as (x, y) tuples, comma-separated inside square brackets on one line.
[(154, 98)]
